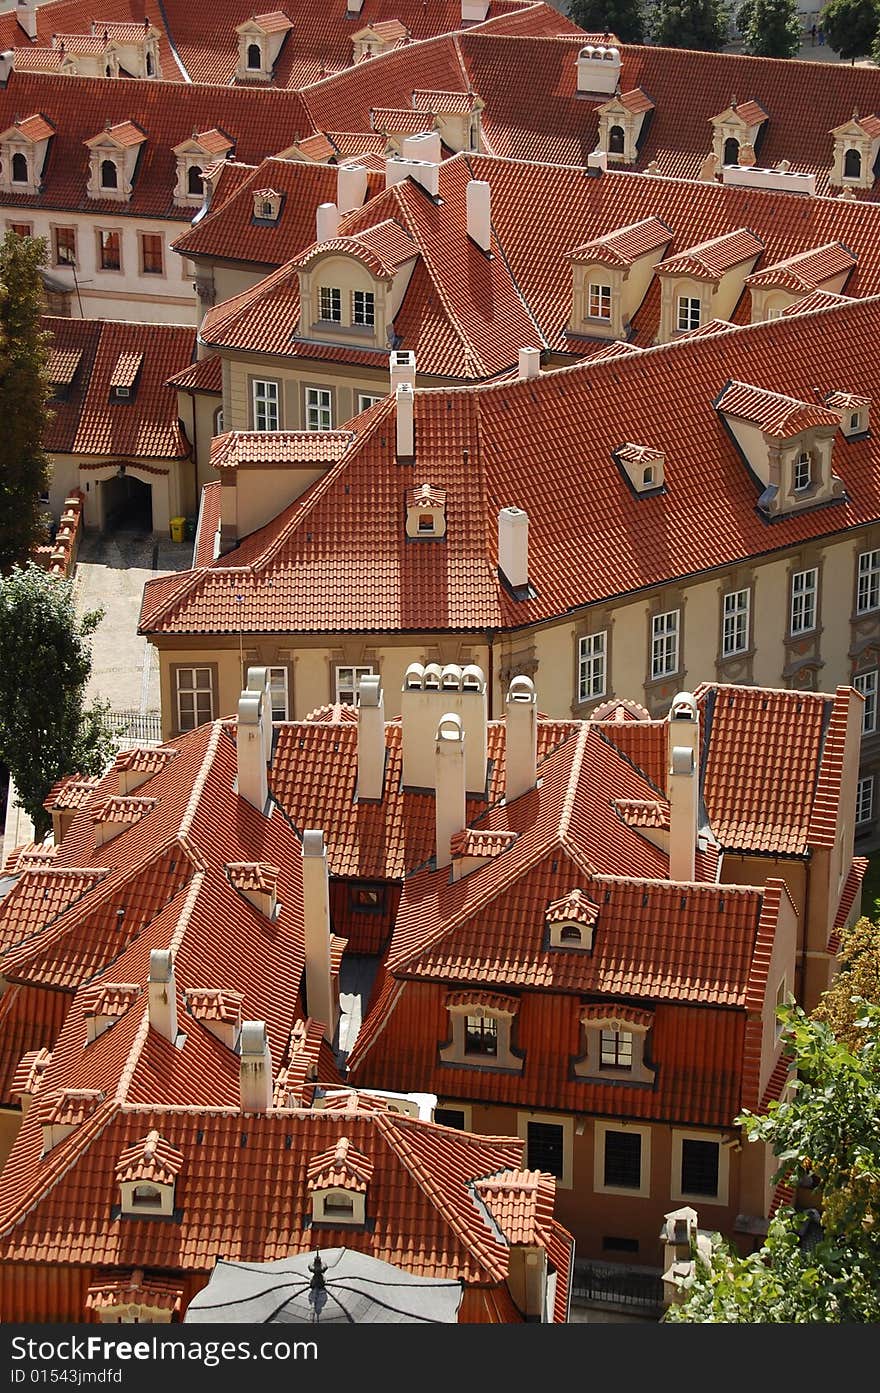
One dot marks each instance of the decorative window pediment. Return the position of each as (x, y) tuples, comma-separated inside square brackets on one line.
[(641, 465), (735, 131), (147, 1175), (194, 156), (614, 1044), (380, 37), (571, 921), (23, 149), (621, 121), (260, 41), (481, 1026), (113, 157), (267, 205), (856, 145), (338, 1180), (426, 512)]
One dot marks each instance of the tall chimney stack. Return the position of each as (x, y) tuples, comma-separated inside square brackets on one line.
[(316, 914), (254, 738), (326, 222), (683, 786), (529, 363), (370, 738), (402, 365), (521, 740), (404, 401), (162, 994), (450, 784), (26, 14), (255, 1067), (513, 546), (351, 187), (479, 213)]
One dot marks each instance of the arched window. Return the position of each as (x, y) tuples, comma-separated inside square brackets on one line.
[(852, 165), (731, 150), (648, 475), (254, 56), (146, 1195), (20, 169), (218, 421), (266, 209), (109, 175), (570, 934), (339, 1204), (194, 182), (616, 140), (108, 71)]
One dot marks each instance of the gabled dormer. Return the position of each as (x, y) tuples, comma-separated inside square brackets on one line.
[(621, 123), (23, 150), (775, 287), (219, 1011), (735, 132), (457, 116), (642, 466), (571, 921), (125, 377), (338, 1181), (103, 1005), (260, 41), (257, 881), (84, 55), (379, 37), (63, 368), (61, 1112), (146, 1174), (426, 512), (114, 815), (136, 766), (267, 205), (705, 281), (351, 287), (194, 156), (28, 1077), (856, 144), (786, 443), (611, 276), (113, 158), (135, 47), (614, 1044), (854, 412)]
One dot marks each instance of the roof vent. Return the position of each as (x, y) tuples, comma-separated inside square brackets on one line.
[(326, 222), (529, 363), (752, 177)]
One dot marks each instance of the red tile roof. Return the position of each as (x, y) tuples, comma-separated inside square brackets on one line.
[(284, 449), (710, 260), (807, 271), (626, 244), (772, 412), (152, 1158), (205, 375)]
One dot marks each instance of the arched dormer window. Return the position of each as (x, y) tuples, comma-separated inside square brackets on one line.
[(852, 165), (731, 150), (481, 1026), (616, 141), (571, 921), (648, 476), (614, 1044), (570, 933), (146, 1196), (194, 182), (254, 57), (149, 65), (109, 174), (20, 172), (147, 1176), (339, 1180)]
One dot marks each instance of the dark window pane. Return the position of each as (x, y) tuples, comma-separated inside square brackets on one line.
[(699, 1167), (449, 1117), (544, 1146), (623, 1159)]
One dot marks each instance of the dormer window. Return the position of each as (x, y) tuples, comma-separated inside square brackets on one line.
[(731, 150), (109, 174), (23, 150), (267, 205), (254, 57), (616, 140), (852, 165), (147, 1175), (689, 313), (481, 1027), (615, 1045), (426, 512), (260, 40), (856, 145), (195, 184), (621, 123), (854, 412), (571, 921), (20, 171), (113, 158), (331, 304), (803, 471), (599, 301), (339, 1181), (642, 465)]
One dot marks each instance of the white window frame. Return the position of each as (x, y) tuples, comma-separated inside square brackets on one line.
[(283, 687), (735, 622), (266, 397), (600, 1130), (218, 421), (804, 601), (868, 586), (194, 690), (357, 671), (554, 1119), (599, 301), (621, 1043), (319, 408), (802, 473), (688, 313), (368, 399), (330, 300), (363, 309), (592, 665), (865, 800), (108, 160), (665, 641), (721, 1196), (867, 684)]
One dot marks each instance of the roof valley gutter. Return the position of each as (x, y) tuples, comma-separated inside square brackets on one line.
[(171, 44)]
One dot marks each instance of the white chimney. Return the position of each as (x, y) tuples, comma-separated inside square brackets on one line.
[(326, 222), (529, 363), (450, 780), (254, 733), (370, 738), (404, 401), (598, 69), (354, 7), (7, 63), (258, 681), (683, 786), (597, 159), (429, 692), (351, 187), (162, 994), (521, 740), (424, 173), (479, 212), (513, 546), (403, 368), (26, 14), (255, 1067), (316, 917), (474, 11), (422, 147)]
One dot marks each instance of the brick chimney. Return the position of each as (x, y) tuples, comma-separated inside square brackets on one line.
[(162, 994), (404, 402), (479, 213), (326, 222), (450, 781), (529, 363), (316, 917), (254, 738), (255, 1068), (683, 786), (521, 750), (370, 738), (513, 546)]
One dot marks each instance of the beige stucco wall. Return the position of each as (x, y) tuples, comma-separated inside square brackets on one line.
[(295, 375)]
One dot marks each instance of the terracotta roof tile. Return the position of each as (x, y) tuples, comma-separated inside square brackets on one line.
[(625, 245), (213, 1004), (109, 998), (710, 260), (772, 412), (142, 759), (342, 1166), (816, 300), (647, 813), (153, 1158), (29, 1074), (521, 1204), (285, 449), (808, 270), (70, 792), (157, 1293), (68, 1107), (205, 375)]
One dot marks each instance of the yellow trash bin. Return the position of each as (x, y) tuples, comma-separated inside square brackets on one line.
[(178, 528)]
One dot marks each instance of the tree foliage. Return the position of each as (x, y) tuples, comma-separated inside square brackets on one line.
[(858, 979), (692, 24), (772, 28), (851, 26), (45, 661), (625, 18), (24, 391), (822, 1265)]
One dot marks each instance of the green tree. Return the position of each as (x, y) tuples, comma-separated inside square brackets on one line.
[(24, 391), (624, 18), (692, 24), (858, 979), (772, 28), (851, 26), (45, 661), (821, 1265)]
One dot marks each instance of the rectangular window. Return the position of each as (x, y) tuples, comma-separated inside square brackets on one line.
[(366, 400), (591, 666), (599, 301), (612, 1244), (699, 1167), (363, 307), (735, 626), (865, 800), (688, 313), (64, 244), (151, 254), (21, 229), (804, 585), (450, 1117), (331, 304), (109, 251), (868, 597), (367, 897), (802, 471), (347, 681), (616, 1049), (266, 415), (480, 1035), (319, 408), (623, 1160), (195, 697), (545, 1147), (866, 683), (664, 644), (278, 693)]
